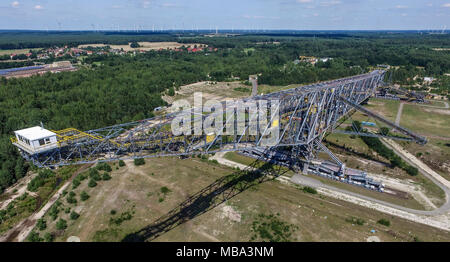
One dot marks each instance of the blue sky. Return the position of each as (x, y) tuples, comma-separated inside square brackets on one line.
[(225, 14)]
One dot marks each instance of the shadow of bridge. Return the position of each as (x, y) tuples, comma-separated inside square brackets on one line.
[(208, 198)]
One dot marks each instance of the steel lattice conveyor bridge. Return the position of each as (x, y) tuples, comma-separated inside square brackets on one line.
[(303, 115)]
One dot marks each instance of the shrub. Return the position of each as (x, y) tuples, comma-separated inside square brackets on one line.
[(71, 198), (74, 215), (384, 222), (113, 212), (48, 237), (34, 237), (106, 177), (40, 180), (61, 224), (310, 190), (165, 190), (54, 211), (75, 183), (139, 162), (93, 174), (413, 171), (104, 167), (41, 224), (84, 196), (92, 183), (121, 163)]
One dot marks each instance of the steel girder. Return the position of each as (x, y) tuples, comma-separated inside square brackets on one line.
[(305, 114)]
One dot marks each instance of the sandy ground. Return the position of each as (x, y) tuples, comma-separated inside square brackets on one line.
[(20, 231), (17, 190), (416, 162), (441, 221)]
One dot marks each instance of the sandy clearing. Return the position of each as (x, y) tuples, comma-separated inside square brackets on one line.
[(17, 190)]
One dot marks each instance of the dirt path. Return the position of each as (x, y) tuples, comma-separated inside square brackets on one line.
[(220, 157), (17, 190), (21, 230), (438, 218), (446, 106), (399, 114), (411, 159)]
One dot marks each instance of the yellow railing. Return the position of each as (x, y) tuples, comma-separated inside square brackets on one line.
[(13, 139)]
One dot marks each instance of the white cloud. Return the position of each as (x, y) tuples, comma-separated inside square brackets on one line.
[(38, 7), (146, 4), (15, 4), (401, 6), (304, 1), (446, 5), (169, 5), (330, 3), (260, 17)]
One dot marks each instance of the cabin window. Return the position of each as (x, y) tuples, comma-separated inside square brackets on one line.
[(41, 142)]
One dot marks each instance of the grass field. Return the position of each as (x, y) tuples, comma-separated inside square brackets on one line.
[(427, 121), (16, 51), (135, 194), (146, 46), (387, 108)]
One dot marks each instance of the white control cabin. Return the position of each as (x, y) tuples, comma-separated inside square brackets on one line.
[(35, 140)]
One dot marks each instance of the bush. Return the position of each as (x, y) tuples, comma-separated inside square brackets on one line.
[(121, 163), (74, 215), (134, 45), (84, 196), (384, 222), (310, 190), (139, 162), (41, 224), (113, 212), (34, 237), (75, 183), (411, 170), (71, 198), (165, 190), (92, 183), (104, 167), (61, 224), (54, 211), (40, 180), (48, 237), (106, 177), (94, 174)]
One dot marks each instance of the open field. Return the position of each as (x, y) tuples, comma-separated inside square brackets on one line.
[(221, 91), (387, 108), (146, 46), (135, 193), (434, 123), (427, 121), (16, 51)]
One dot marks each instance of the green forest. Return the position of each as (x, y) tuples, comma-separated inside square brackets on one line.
[(118, 89)]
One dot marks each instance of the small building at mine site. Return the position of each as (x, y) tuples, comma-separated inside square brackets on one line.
[(35, 140)]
